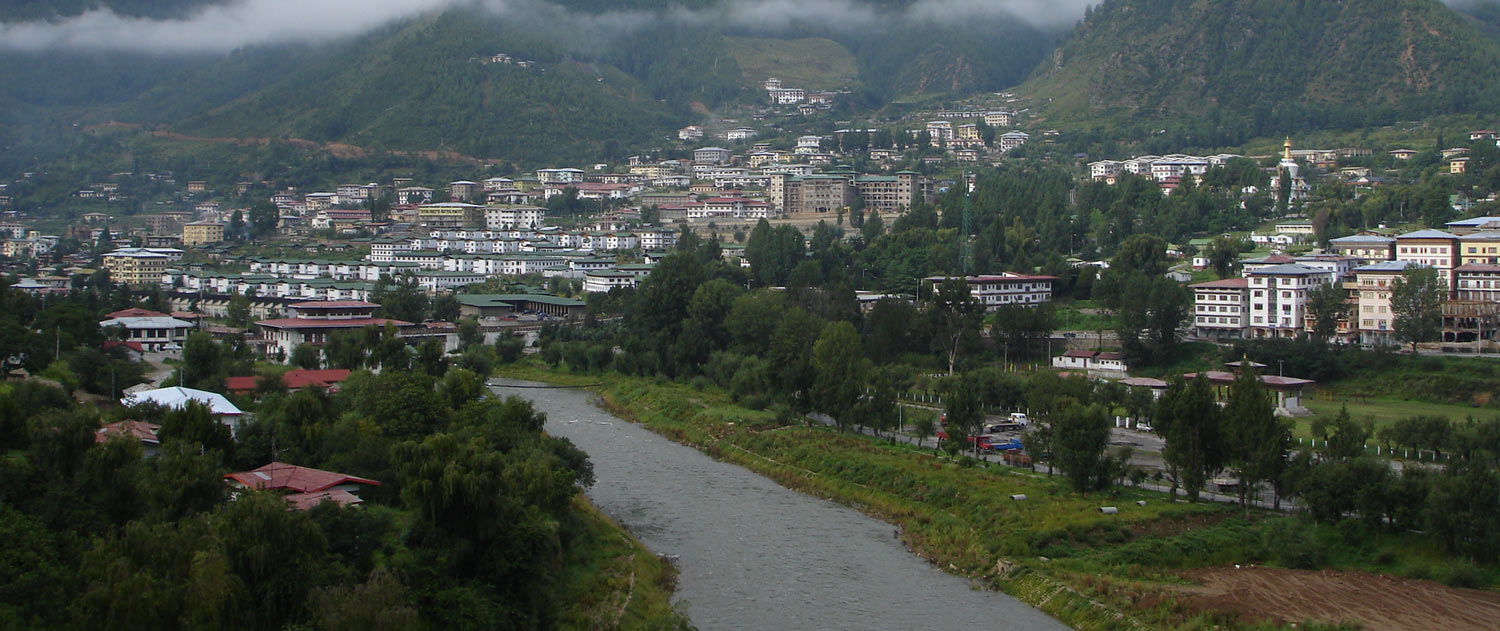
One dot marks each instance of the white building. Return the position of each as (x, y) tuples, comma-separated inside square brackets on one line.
[(513, 217), (1376, 322), (1278, 298), (1012, 139), (601, 281), (1006, 289), (711, 155), (559, 176), (1221, 308)]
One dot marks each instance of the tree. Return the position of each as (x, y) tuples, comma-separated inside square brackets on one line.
[(1189, 418), (263, 219), (1081, 437), (1223, 255), (1416, 305), (964, 416), (204, 364), (239, 310), (236, 230), (957, 315), (840, 370), (1327, 305), (1020, 328), (923, 428), (307, 357), (1256, 441), (445, 308)]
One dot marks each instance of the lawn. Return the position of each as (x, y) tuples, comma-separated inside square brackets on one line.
[(1383, 411)]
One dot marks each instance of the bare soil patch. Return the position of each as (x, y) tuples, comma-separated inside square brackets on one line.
[(1377, 602)]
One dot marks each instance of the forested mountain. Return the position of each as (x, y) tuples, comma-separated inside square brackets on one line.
[(1234, 69), (608, 74)]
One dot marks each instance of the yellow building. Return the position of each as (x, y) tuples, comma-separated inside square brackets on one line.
[(202, 232), (1479, 248), (136, 267)]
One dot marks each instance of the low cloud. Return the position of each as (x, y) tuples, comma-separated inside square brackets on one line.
[(241, 23)]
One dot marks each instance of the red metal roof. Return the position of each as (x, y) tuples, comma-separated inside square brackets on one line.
[(294, 379), (315, 323), (135, 313), (332, 304), (135, 346), (1080, 353), (283, 476), (304, 501), (1227, 283), (139, 430)]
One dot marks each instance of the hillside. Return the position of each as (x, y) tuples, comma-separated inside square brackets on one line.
[(813, 63), (608, 75), (1236, 69)]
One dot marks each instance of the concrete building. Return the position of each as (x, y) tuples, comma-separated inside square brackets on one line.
[(1221, 308), (1373, 286), (1005, 289), (1278, 298), (314, 322), (1432, 248), (136, 267), (1369, 248), (202, 233)]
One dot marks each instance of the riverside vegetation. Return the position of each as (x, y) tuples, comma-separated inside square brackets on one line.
[(1055, 550)]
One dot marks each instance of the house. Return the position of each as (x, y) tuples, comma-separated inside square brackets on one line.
[(1403, 154), (142, 431), (152, 330), (1110, 362), (137, 267), (1074, 359), (1458, 166), (307, 487), (178, 397), (501, 305)]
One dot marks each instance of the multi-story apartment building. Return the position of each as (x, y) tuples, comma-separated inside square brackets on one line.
[(1000, 118), (1477, 282), (1278, 298), (413, 195), (559, 176), (711, 155), (1012, 139), (1368, 248), (202, 232), (1221, 308), (1433, 248), (449, 215), (1005, 289), (1479, 247), (940, 133), (136, 267), (511, 217), (1106, 170), (1373, 285), (891, 193)]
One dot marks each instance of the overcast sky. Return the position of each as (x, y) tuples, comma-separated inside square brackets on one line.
[(223, 28)]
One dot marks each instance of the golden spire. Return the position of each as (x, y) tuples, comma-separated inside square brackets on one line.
[(1286, 149)]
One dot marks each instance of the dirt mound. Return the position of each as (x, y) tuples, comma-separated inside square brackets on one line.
[(1377, 602)]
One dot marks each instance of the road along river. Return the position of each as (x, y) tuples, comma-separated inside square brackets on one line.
[(755, 555)]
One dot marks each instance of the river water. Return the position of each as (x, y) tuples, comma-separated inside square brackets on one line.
[(755, 555)]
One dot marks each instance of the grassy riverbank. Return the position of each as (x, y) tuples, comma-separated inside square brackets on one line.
[(612, 581), (1054, 550)]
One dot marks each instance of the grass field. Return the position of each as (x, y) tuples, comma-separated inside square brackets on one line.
[(1384, 412), (811, 63)]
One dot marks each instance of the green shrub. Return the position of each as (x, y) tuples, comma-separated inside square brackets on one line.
[(1293, 544)]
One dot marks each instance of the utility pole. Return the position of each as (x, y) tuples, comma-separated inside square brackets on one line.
[(966, 248)]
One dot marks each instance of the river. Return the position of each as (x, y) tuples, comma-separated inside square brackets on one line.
[(755, 555)]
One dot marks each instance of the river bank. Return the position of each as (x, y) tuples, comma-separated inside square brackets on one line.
[(1144, 567), (960, 520)]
